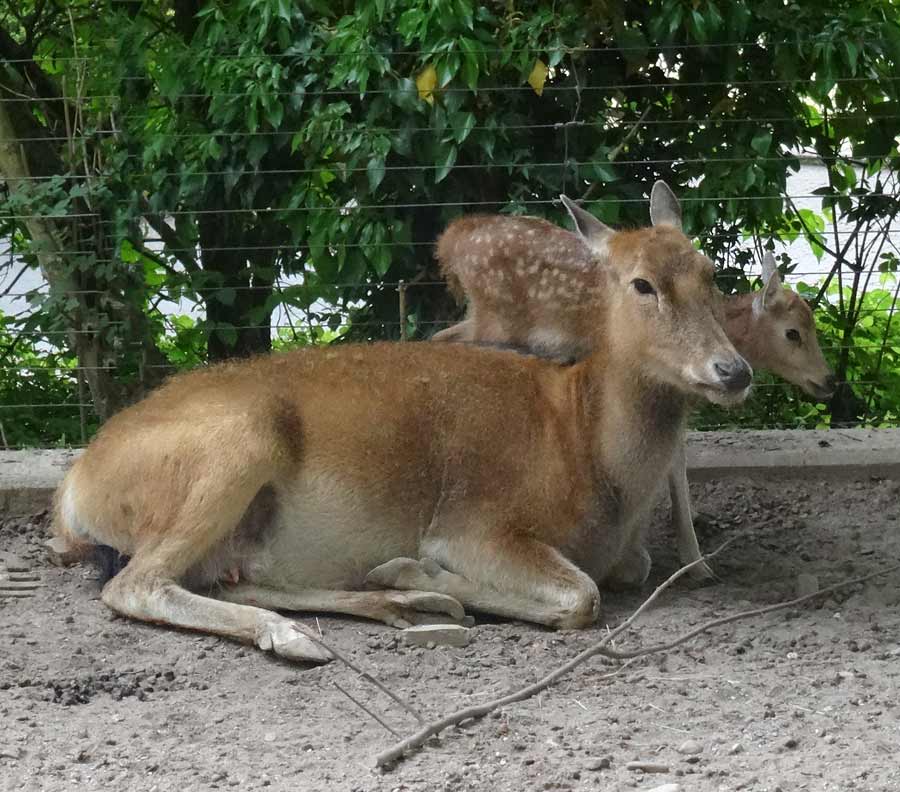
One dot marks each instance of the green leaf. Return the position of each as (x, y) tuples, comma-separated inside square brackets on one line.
[(227, 332), (284, 9), (604, 172), (446, 166), (462, 124), (225, 296), (375, 172), (275, 114), (761, 142), (852, 52)]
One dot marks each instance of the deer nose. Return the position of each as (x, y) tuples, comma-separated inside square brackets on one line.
[(734, 375)]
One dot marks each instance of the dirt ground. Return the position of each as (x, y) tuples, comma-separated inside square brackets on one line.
[(807, 699)]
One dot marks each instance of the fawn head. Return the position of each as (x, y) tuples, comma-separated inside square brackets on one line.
[(785, 334), (663, 310)]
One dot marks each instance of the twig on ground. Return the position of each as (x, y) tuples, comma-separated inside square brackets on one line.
[(396, 752), (611, 635), (368, 677), (368, 712), (664, 647), (476, 711)]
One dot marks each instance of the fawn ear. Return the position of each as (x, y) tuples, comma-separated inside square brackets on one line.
[(594, 232), (664, 207), (770, 293)]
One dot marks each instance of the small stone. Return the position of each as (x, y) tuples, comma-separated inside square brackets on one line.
[(690, 746), (436, 634), (9, 752), (736, 749), (269, 737), (598, 763), (647, 767), (60, 553), (806, 584), (791, 742), (666, 788)]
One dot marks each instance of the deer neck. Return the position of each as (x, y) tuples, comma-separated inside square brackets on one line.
[(740, 327), (636, 422)]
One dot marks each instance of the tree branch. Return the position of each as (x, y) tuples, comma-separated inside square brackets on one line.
[(177, 247)]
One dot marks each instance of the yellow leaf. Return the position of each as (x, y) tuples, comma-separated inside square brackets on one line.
[(538, 76), (426, 82)]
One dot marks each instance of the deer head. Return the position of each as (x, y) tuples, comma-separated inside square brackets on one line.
[(783, 335), (662, 307)]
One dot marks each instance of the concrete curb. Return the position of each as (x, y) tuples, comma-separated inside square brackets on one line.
[(29, 478)]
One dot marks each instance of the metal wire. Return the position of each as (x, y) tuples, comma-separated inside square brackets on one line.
[(238, 56), (829, 81), (95, 134), (517, 165), (447, 204)]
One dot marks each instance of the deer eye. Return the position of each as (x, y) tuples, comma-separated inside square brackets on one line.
[(642, 287), (793, 335)]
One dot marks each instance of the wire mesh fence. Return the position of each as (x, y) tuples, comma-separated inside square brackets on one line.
[(170, 227)]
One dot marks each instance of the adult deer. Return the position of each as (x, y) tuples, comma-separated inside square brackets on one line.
[(531, 285), (448, 476)]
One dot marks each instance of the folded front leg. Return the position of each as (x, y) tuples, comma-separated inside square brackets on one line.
[(511, 575)]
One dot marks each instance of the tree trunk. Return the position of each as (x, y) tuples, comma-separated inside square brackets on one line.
[(244, 327), (45, 236)]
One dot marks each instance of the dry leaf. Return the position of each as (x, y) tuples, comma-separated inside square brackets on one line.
[(538, 76), (426, 82)]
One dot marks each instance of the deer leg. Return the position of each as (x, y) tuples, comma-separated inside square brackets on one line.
[(631, 570), (686, 536), (513, 576), (149, 587), (459, 333), (141, 595), (395, 608)]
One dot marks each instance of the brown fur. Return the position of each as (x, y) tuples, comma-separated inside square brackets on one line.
[(314, 474), (533, 285)]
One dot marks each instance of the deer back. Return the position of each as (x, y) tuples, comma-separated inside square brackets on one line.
[(527, 283)]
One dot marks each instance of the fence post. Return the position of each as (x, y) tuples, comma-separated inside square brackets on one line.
[(401, 292), (81, 395)]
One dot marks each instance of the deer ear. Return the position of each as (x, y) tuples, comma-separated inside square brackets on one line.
[(769, 266), (594, 232), (770, 293), (664, 207)]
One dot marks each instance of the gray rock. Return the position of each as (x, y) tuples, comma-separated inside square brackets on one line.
[(648, 767), (436, 634), (598, 763), (690, 746)]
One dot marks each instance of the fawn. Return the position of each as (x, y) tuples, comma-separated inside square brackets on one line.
[(531, 285), (323, 479)]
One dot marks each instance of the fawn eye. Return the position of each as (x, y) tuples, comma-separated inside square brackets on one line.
[(642, 287), (793, 335)]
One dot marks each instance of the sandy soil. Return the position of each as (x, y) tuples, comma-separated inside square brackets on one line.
[(808, 699)]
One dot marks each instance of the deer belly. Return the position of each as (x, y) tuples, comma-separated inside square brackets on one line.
[(327, 534)]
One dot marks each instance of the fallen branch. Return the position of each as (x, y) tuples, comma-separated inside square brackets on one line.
[(480, 710), (396, 752), (368, 712), (663, 647), (368, 677)]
